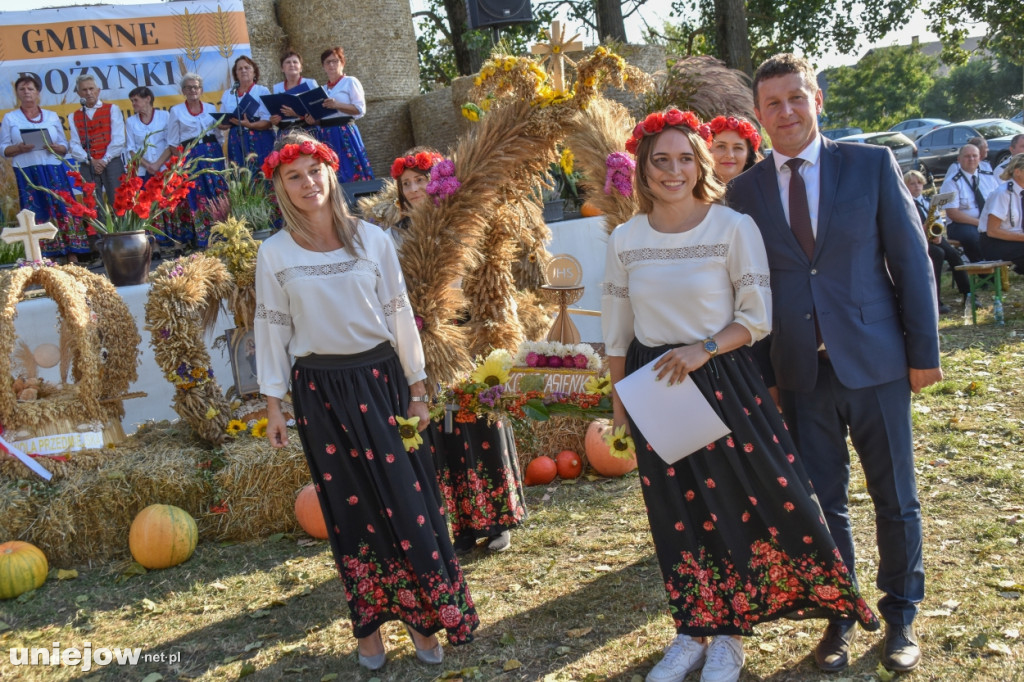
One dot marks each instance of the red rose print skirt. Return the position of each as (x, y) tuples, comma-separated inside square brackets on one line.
[(738, 532), (384, 518)]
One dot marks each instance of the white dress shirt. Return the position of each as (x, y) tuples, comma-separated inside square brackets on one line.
[(810, 171), (117, 141), (1005, 204), (959, 183)]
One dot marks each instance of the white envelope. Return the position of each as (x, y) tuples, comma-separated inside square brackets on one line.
[(676, 420)]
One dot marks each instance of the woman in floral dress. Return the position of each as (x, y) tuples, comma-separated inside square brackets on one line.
[(739, 535), (478, 468), (330, 293)]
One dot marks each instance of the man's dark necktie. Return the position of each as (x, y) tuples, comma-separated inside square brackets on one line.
[(977, 193), (799, 212)]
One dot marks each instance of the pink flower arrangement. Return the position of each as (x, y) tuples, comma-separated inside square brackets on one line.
[(443, 182), (619, 174)]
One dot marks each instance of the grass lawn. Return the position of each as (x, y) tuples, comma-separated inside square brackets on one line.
[(579, 596)]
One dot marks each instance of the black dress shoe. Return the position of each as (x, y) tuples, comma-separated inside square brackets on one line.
[(833, 651), (900, 651)]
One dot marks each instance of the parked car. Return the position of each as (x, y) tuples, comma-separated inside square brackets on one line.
[(836, 133), (1019, 118), (938, 149), (902, 147), (916, 127)]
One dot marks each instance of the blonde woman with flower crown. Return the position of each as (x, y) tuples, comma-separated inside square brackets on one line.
[(477, 464), (330, 293), (738, 533)]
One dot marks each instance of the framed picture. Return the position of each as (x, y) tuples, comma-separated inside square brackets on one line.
[(242, 348)]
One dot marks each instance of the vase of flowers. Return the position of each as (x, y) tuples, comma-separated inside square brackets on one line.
[(127, 227)]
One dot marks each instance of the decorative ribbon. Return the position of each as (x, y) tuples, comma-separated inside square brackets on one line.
[(27, 460)]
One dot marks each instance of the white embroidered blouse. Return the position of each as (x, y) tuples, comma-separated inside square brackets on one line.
[(330, 304), (683, 287)]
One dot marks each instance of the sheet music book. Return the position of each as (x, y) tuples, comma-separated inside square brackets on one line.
[(247, 106), (940, 200), (303, 86), (274, 102), (676, 420), (313, 99), (37, 137)]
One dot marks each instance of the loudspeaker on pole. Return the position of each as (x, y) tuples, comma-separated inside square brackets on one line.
[(495, 13)]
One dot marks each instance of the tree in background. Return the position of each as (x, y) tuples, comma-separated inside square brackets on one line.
[(981, 88), (885, 87), (743, 34)]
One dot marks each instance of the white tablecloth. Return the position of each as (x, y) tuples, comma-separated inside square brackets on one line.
[(36, 323)]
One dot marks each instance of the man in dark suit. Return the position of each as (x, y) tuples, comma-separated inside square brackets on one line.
[(855, 330)]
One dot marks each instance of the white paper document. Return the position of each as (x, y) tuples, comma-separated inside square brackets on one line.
[(676, 420)]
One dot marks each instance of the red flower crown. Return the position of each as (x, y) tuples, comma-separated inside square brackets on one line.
[(742, 126), (656, 122), (423, 161), (288, 153)]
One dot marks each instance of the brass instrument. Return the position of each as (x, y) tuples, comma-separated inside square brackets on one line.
[(935, 221)]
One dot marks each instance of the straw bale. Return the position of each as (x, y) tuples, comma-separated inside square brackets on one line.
[(18, 508), (435, 120), (534, 439), (266, 39), (259, 484), (386, 131)]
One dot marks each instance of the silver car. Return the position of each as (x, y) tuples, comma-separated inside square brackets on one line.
[(916, 127), (902, 148)]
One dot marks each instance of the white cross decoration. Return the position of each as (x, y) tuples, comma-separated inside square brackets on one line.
[(29, 234), (553, 53)]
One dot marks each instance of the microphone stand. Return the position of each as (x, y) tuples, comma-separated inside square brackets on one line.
[(86, 145)]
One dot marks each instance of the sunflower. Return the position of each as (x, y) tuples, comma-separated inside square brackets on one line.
[(602, 385), (620, 444), (494, 370), (235, 426), (259, 429), (407, 429)]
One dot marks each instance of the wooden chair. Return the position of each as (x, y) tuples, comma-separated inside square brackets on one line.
[(993, 273)]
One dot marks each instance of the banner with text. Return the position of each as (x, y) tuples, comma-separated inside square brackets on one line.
[(122, 47)]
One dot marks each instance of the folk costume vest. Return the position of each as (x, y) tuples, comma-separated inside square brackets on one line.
[(95, 132)]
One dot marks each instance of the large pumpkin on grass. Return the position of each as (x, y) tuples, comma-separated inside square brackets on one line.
[(162, 536), (569, 464), (600, 457), (309, 514), (540, 471), (23, 567)]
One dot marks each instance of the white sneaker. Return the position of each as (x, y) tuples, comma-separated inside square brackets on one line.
[(725, 659), (682, 657)]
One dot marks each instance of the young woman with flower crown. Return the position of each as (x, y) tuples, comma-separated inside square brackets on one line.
[(734, 146), (738, 533), (330, 293), (477, 464)]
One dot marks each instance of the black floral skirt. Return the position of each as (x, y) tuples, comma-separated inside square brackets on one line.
[(385, 525), (738, 532), (478, 473)]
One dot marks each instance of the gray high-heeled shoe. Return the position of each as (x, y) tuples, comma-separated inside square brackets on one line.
[(374, 663), (433, 656)]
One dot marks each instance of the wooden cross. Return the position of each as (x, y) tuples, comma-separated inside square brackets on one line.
[(554, 53), (29, 234)]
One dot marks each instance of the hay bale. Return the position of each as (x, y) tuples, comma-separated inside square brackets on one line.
[(18, 508), (258, 484), (266, 39), (386, 131), (549, 438), (435, 120)]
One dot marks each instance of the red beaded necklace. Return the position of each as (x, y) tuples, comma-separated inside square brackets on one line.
[(189, 108), (29, 118)]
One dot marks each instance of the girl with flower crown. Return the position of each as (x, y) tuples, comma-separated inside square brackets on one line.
[(734, 146), (739, 535), (330, 293), (477, 463)]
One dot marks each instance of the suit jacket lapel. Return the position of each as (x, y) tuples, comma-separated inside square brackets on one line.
[(768, 182), (828, 179)]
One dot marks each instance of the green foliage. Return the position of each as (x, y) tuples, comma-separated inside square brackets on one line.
[(953, 19), (977, 89), (882, 89), (816, 27), (10, 253)]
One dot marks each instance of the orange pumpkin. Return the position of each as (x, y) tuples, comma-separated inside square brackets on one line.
[(162, 536), (23, 567), (569, 464), (589, 210), (309, 513), (599, 455), (541, 471)]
